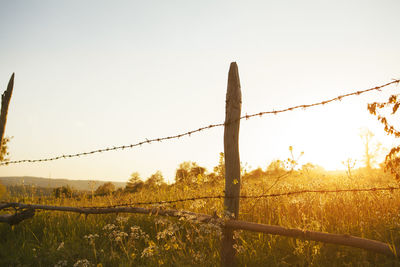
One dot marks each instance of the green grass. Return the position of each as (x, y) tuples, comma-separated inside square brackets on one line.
[(66, 239)]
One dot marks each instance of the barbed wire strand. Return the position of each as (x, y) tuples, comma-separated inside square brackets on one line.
[(189, 133), (11, 205), (290, 193)]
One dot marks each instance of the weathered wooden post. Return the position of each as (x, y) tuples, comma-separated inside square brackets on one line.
[(232, 161), (5, 101)]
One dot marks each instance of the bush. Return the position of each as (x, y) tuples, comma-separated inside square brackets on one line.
[(64, 191), (105, 189)]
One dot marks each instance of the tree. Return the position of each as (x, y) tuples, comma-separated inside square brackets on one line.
[(276, 167), (371, 150), (189, 172), (219, 170), (182, 173), (105, 189), (64, 191), (155, 180), (134, 184)]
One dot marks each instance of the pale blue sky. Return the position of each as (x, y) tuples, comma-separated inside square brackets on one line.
[(93, 74)]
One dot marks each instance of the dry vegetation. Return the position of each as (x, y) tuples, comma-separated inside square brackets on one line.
[(65, 239)]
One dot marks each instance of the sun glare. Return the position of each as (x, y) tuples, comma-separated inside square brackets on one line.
[(329, 136)]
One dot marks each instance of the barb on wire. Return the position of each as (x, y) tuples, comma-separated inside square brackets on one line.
[(189, 133), (164, 202)]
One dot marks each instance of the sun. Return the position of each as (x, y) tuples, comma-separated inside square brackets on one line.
[(329, 136)]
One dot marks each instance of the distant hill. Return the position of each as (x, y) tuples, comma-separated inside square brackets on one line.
[(53, 183)]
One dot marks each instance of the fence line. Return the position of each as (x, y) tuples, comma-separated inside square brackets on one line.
[(189, 133)]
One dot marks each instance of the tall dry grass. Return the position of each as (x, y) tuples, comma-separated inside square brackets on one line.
[(65, 239)]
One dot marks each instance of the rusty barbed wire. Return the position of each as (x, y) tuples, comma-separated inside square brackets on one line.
[(338, 98), (189, 133), (290, 193), (4, 205), (13, 205)]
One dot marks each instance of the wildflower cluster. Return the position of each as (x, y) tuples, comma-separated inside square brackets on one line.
[(91, 238), (82, 263), (114, 233), (137, 233)]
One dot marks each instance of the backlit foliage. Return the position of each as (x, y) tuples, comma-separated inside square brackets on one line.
[(392, 160), (4, 149), (189, 173)]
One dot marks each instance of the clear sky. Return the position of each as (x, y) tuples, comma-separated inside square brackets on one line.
[(94, 74)]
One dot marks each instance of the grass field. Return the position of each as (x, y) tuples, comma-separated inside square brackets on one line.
[(67, 239)]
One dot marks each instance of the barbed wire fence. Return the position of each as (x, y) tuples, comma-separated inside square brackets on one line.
[(24, 211), (189, 133)]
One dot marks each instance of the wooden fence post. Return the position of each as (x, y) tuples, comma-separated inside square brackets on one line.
[(5, 101), (232, 161)]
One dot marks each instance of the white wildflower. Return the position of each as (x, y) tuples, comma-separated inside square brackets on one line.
[(236, 234), (169, 231), (137, 233), (82, 263), (117, 235), (109, 227)]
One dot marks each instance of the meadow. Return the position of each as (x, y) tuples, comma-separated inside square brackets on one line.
[(68, 239)]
